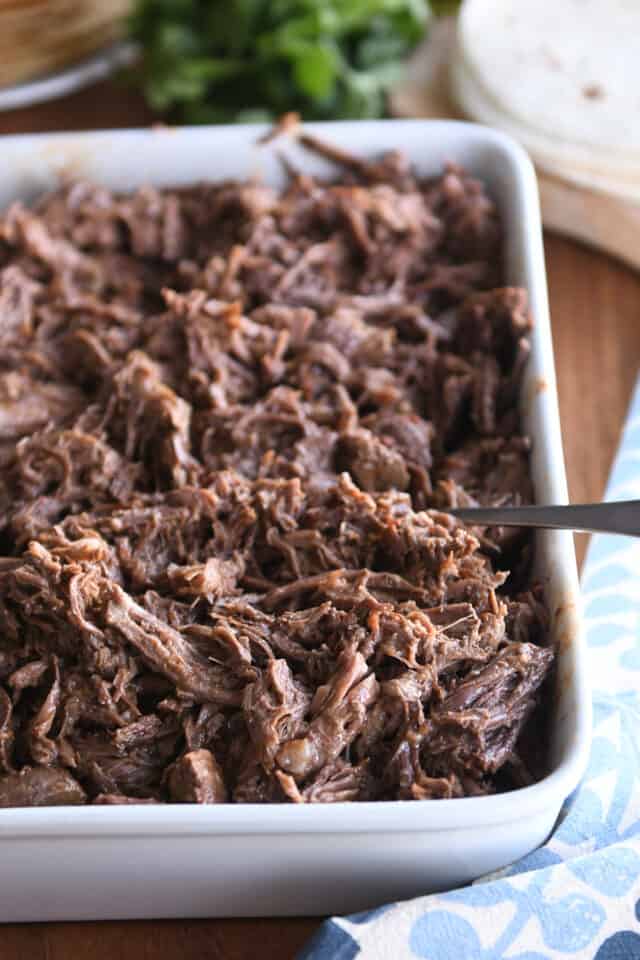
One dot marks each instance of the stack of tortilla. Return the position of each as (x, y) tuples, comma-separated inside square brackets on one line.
[(563, 78)]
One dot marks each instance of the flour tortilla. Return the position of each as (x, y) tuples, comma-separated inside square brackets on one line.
[(565, 73), (559, 156)]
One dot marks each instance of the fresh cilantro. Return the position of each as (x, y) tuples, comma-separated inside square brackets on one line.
[(211, 61)]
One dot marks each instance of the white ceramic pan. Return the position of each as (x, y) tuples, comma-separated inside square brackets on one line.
[(177, 860)]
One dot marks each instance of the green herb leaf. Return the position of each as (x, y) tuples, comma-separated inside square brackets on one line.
[(315, 71), (210, 61)]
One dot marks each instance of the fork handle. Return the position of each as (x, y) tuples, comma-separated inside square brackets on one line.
[(622, 516)]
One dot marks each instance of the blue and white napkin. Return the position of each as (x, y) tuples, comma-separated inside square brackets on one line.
[(579, 895)]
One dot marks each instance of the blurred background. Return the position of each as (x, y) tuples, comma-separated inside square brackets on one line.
[(207, 62)]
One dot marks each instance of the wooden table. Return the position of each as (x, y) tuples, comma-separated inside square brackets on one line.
[(595, 306)]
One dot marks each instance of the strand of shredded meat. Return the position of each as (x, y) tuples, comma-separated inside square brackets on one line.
[(232, 421)]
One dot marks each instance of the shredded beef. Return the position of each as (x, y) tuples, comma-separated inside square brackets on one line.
[(232, 421), (40, 787), (196, 778)]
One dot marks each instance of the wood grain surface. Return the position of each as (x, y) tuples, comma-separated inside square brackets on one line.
[(595, 306)]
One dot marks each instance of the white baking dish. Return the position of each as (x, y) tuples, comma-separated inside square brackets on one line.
[(107, 862)]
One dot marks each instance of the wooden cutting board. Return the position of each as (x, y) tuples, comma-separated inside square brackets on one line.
[(606, 222)]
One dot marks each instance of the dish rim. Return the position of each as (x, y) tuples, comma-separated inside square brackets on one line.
[(368, 816)]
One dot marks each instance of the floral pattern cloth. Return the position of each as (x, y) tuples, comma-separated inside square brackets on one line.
[(579, 895)]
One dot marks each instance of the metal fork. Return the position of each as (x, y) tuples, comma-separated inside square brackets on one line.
[(621, 517)]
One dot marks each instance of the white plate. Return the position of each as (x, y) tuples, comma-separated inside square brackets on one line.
[(79, 863), (66, 81)]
